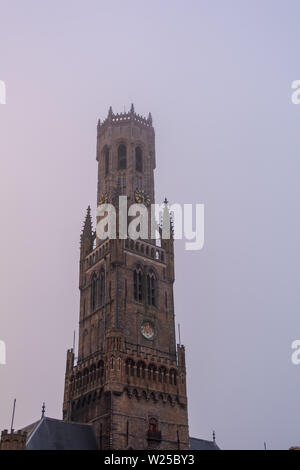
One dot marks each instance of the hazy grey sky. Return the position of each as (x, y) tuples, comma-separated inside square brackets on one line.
[(216, 76)]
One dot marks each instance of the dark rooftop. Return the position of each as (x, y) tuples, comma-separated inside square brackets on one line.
[(54, 434), (201, 444)]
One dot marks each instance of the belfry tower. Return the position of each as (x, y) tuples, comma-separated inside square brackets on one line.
[(129, 379)]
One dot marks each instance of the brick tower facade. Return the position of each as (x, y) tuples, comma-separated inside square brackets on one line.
[(129, 379)]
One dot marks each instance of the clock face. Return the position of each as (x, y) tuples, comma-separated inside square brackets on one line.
[(147, 330), (141, 197)]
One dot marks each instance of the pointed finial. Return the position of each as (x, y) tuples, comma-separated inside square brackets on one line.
[(150, 118), (43, 409), (87, 226), (132, 108), (214, 436), (110, 112), (99, 123)]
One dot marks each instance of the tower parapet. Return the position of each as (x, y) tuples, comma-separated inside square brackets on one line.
[(13, 440), (125, 117)]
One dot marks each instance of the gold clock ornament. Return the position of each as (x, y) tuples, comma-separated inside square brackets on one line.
[(147, 330), (103, 199), (141, 197)]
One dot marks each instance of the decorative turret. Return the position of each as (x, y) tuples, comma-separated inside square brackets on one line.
[(167, 240), (86, 244), (87, 236)]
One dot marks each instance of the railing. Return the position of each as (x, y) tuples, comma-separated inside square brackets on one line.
[(97, 254), (145, 249), (125, 117), (154, 435)]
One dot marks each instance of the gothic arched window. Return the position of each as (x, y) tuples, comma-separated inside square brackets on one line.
[(153, 430), (138, 284), (106, 156), (140, 371), (102, 288), (162, 374), (122, 163), (152, 372), (172, 377), (152, 425), (130, 366), (138, 159), (151, 289), (94, 291), (100, 367)]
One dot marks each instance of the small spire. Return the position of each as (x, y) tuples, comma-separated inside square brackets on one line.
[(132, 108), (166, 221), (214, 436), (87, 226), (150, 118), (110, 113), (43, 409)]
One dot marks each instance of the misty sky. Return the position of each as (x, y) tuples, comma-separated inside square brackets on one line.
[(216, 76)]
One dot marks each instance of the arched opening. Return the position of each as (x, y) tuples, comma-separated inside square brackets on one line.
[(152, 425), (138, 284), (94, 291), (100, 367), (162, 374), (138, 159), (102, 288), (122, 161), (152, 372), (153, 431), (140, 371), (151, 289), (172, 377), (106, 160), (129, 367)]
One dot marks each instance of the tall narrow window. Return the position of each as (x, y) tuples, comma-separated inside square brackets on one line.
[(102, 288), (140, 371), (94, 291), (135, 284), (151, 289), (122, 164), (106, 156), (153, 425), (138, 285), (122, 185), (138, 159), (129, 367), (139, 183)]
